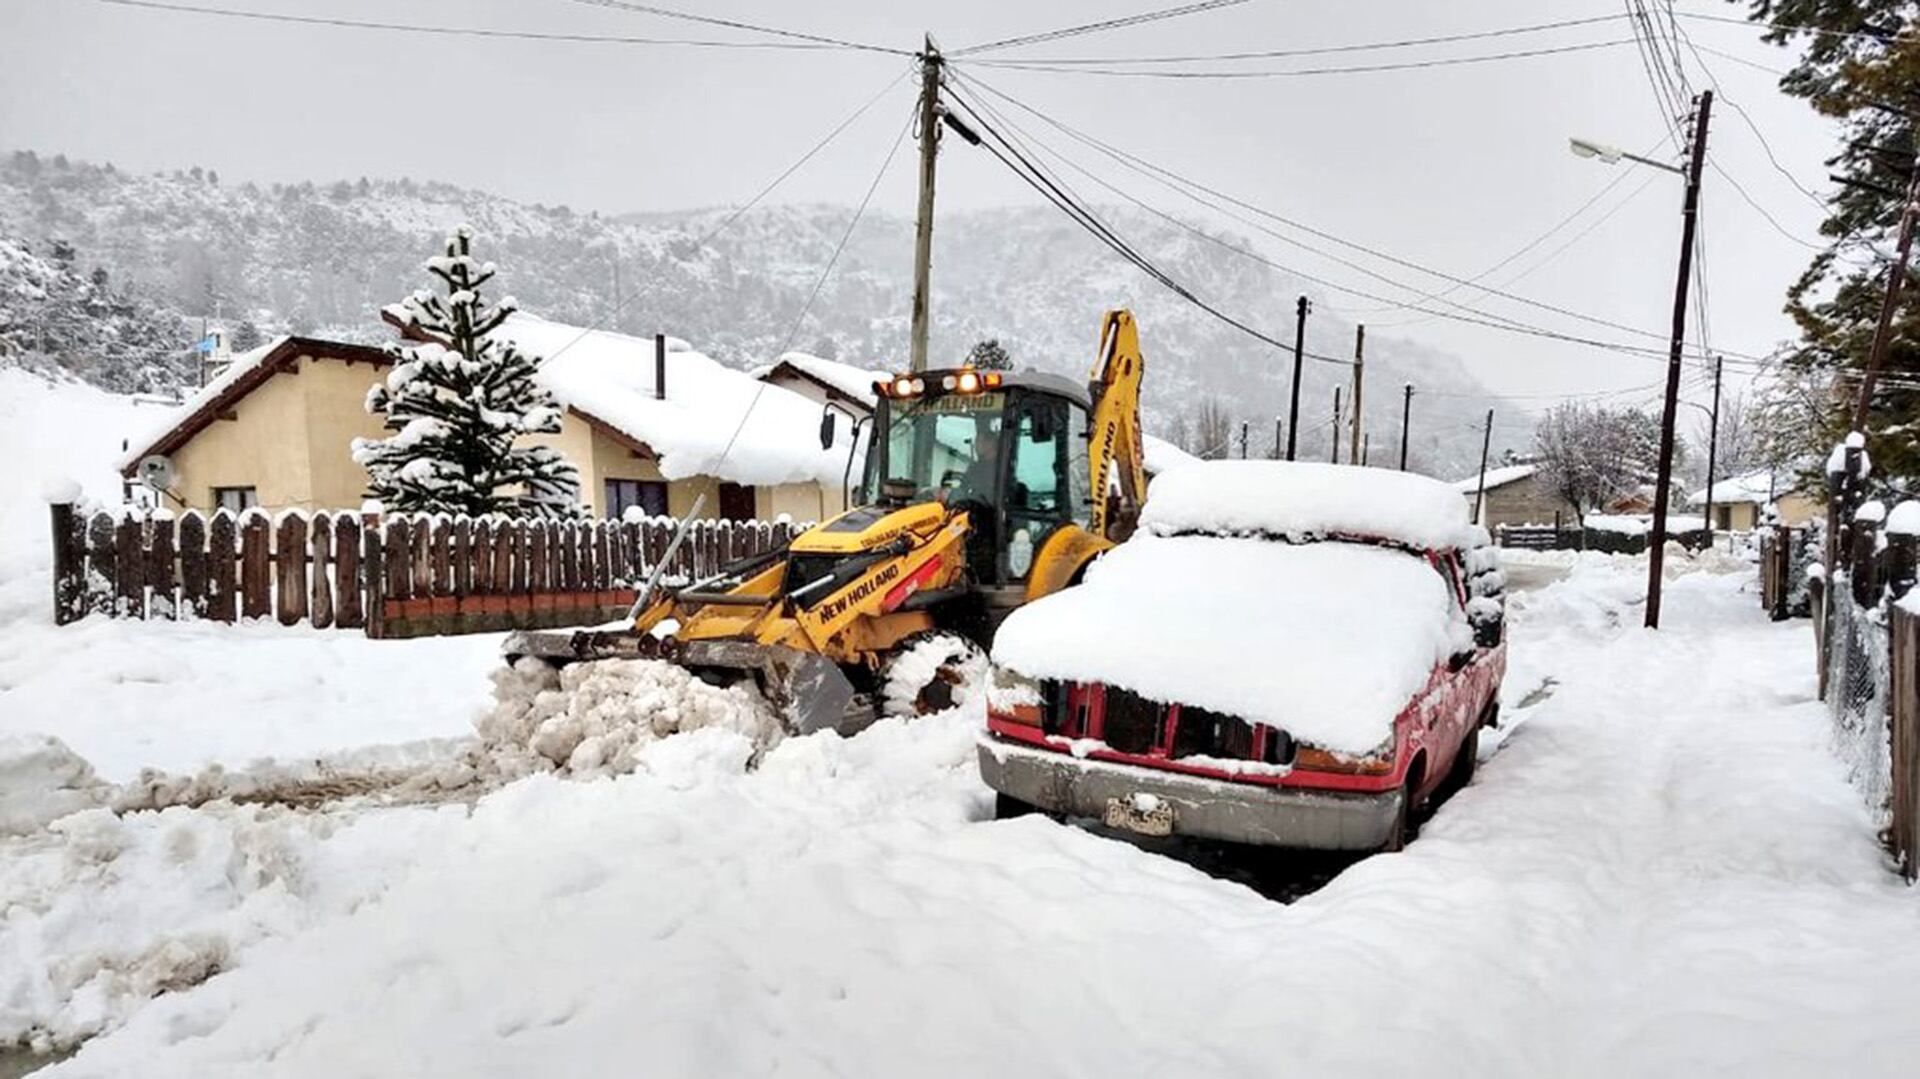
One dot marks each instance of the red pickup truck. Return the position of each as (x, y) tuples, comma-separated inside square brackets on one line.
[(1286, 654)]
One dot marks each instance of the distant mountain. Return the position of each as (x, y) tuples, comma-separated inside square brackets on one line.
[(322, 259)]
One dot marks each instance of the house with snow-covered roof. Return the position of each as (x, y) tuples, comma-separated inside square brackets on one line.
[(840, 386), (1516, 494), (1739, 502), (275, 429)]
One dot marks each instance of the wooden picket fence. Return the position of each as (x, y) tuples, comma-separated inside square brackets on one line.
[(396, 576)]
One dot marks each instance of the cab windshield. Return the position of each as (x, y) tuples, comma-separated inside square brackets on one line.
[(946, 446)]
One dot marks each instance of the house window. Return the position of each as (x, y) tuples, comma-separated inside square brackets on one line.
[(736, 502), (234, 499), (649, 495)]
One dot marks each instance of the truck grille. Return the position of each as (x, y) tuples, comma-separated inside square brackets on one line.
[(1199, 732), (1133, 723)]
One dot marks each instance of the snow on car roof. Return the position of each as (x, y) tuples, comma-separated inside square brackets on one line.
[(1326, 640), (1302, 499), (609, 376)]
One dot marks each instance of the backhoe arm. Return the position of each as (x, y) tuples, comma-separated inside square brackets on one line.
[(1115, 449)]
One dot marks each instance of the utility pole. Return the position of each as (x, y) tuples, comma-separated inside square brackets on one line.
[(1276, 437), (1243, 440), (930, 64), (1663, 487), (1896, 276), (1333, 441), (1406, 415), (1486, 443), (1299, 347), (1359, 374), (1713, 446), (1366, 448)]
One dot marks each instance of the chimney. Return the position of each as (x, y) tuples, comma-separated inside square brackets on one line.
[(659, 366)]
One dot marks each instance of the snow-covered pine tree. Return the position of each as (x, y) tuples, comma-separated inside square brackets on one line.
[(458, 404)]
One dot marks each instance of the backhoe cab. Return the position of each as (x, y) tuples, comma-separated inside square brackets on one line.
[(982, 490)]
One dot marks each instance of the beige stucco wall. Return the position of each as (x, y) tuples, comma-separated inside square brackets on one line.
[(288, 440), (291, 436)]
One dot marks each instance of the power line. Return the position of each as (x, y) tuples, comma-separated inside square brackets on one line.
[(1408, 65), (620, 302), (1102, 25), (1748, 198), (1795, 28), (1133, 162), (1471, 316), (1325, 50), (735, 24), (454, 31), (1056, 193)]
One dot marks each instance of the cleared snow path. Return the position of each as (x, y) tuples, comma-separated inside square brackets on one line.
[(1661, 872)]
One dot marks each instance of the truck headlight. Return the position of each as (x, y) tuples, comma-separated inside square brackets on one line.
[(1013, 696)]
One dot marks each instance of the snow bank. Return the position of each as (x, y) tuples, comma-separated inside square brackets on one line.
[(1328, 640), (1162, 456), (594, 719), (1298, 499), (610, 376), (41, 780)]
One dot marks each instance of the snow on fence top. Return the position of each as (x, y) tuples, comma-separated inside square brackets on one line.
[(1304, 499), (1332, 639), (610, 377)]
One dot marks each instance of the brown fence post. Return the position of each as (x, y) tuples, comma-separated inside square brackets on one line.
[(356, 582), (1863, 568), (1904, 724), (101, 554), (69, 565), (256, 566), (320, 575), (220, 567), (193, 564), (290, 558), (129, 555), (159, 566)]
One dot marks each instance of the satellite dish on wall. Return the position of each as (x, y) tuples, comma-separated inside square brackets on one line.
[(157, 472)]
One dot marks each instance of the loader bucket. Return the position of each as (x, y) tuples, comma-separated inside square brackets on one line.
[(809, 691)]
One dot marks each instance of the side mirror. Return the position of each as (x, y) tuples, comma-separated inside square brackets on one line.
[(826, 429)]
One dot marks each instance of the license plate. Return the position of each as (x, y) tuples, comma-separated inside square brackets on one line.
[(1142, 814)]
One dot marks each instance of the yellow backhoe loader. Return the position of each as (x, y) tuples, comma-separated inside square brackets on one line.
[(983, 490)]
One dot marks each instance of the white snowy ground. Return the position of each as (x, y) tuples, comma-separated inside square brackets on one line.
[(176, 696), (1660, 872)]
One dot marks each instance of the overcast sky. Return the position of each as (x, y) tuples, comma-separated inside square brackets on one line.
[(1453, 167)]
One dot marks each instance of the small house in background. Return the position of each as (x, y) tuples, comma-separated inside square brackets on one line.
[(830, 383), (1739, 502), (1517, 494), (275, 429)]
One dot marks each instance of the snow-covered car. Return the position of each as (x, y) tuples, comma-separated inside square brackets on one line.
[(1285, 654)]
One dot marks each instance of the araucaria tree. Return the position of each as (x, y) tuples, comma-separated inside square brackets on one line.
[(460, 403)]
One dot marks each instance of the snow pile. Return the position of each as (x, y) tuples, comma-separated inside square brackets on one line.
[(1304, 499), (41, 780), (1328, 640), (1163, 456), (105, 912), (595, 719), (610, 377)]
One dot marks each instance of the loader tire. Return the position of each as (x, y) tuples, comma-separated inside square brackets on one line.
[(932, 672)]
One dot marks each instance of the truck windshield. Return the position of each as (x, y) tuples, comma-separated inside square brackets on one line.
[(941, 445)]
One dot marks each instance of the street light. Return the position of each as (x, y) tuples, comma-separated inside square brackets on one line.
[(1612, 155), (1657, 541)]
